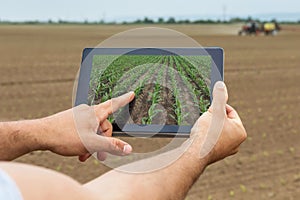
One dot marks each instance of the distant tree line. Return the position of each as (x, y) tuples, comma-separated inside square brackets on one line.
[(172, 20), (146, 20)]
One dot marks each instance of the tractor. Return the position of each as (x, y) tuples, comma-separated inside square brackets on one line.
[(254, 28), (270, 28), (251, 28)]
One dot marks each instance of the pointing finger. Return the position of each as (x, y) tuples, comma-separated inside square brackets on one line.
[(106, 108)]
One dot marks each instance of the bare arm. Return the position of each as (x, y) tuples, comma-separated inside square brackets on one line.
[(37, 183), (170, 182), (19, 138)]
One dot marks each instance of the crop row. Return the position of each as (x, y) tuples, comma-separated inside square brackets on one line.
[(136, 79), (155, 97), (103, 81), (202, 65), (146, 80), (177, 93), (194, 82)]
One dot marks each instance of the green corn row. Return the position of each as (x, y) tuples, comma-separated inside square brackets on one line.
[(155, 97), (186, 72), (179, 116)]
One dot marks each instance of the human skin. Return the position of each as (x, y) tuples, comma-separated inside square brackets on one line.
[(175, 180), (170, 182), (64, 132)]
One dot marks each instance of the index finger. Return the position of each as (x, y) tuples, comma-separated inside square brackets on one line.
[(108, 107), (231, 112)]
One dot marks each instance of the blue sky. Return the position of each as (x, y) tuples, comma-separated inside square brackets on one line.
[(119, 10)]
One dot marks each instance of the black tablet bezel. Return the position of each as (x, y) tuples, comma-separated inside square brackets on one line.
[(217, 74)]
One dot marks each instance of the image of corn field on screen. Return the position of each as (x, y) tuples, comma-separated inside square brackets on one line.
[(169, 89)]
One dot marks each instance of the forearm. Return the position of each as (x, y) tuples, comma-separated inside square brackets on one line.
[(19, 138), (170, 182), (36, 183)]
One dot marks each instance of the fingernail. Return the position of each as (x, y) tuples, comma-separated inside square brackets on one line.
[(127, 149), (220, 85)]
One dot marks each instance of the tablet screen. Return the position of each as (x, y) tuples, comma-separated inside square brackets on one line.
[(169, 89)]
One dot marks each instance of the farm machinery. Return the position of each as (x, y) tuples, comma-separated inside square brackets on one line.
[(254, 28)]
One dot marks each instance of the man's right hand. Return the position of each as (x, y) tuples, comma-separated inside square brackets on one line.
[(218, 132)]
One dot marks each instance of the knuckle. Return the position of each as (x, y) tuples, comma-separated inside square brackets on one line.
[(102, 109), (235, 151), (107, 104), (99, 107), (243, 134), (105, 114), (114, 145)]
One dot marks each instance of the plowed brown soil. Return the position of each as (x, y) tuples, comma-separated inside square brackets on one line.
[(38, 65)]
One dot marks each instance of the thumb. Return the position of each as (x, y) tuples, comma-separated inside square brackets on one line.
[(218, 110), (110, 145), (220, 98)]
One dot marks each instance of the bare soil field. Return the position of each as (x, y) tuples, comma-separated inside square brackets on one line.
[(38, 65)]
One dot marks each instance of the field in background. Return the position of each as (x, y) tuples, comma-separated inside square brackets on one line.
[(37, 69)]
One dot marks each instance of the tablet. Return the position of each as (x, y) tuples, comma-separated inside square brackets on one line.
[(172, 86)]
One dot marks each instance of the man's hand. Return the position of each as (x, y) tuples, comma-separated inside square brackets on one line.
[(219, 132), (74, 132)]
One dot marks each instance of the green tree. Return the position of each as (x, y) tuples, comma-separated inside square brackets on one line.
[(171, 20), (160, 20), (148, 21)]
